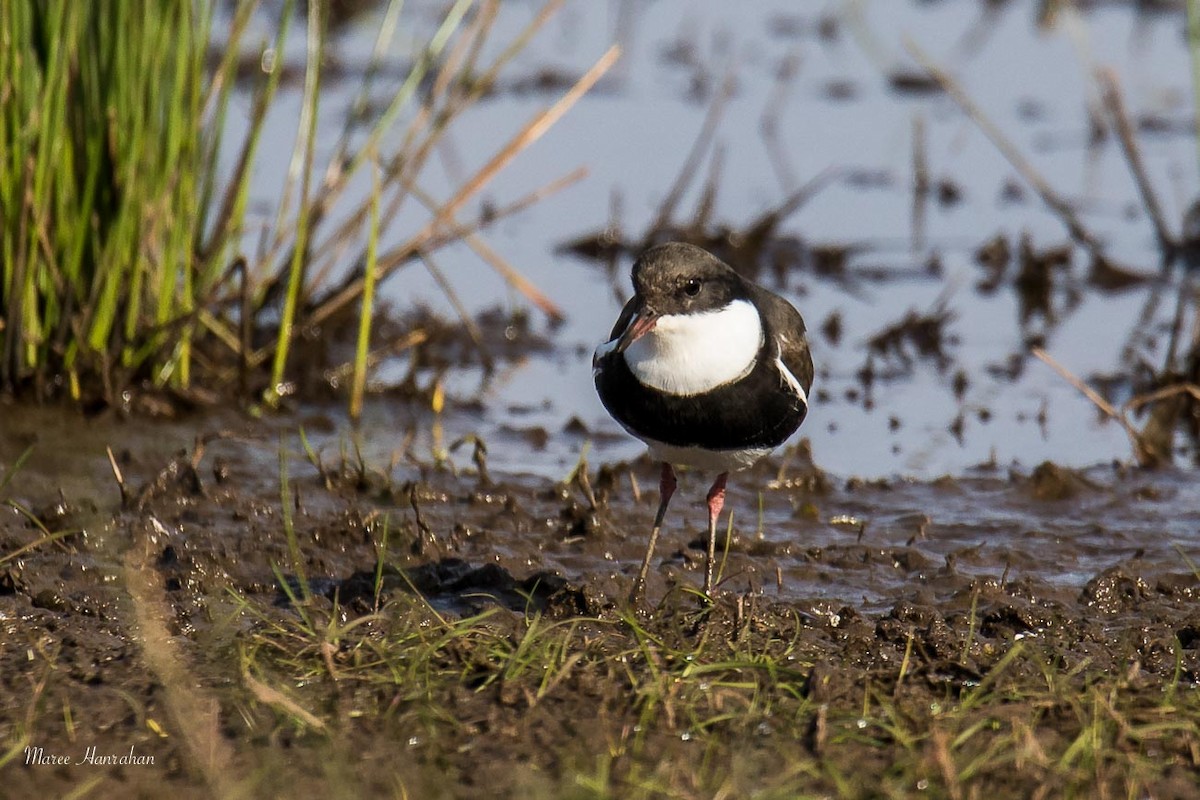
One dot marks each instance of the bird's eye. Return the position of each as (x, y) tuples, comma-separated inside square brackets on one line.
[(692, 288)]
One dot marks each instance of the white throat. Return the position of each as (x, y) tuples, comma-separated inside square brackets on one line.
[(686, 354)]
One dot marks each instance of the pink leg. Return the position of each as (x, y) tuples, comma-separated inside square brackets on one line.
[(716, 501), (666, 488)]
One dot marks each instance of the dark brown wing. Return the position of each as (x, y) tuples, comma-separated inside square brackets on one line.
[(784, 329)]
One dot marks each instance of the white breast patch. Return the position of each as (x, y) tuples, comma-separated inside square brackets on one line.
[(687, 354)]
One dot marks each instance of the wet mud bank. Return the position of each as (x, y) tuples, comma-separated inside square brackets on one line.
[(254, 617)]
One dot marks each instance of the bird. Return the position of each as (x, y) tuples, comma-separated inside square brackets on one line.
[(708, 369)]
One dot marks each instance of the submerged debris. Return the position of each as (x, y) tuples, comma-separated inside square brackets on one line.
[(916, 336), (1049, 481)]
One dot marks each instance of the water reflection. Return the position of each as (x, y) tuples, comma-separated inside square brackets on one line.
[(811, 149)]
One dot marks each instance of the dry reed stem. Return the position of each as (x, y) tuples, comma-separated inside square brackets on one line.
[(1051, 198), (337, 179), (195, 713), (1110, 93), (460, 232), (445, 215), (255, 358), (922, 183), (473, 332), (411, 157), (945, 763), (271, 696), (1143, 452), (690, 166), (1134, 403), (768, 123), (118, 476), (533, 131), (793, 202), (515, 278), (537, 195)]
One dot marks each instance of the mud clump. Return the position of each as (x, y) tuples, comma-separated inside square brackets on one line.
[(1050, 482), (1114, 590)]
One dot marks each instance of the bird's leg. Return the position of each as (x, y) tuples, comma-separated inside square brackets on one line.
[(666, 488), (716, 501)]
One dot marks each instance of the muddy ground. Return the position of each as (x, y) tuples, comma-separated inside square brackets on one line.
[(428, 631)]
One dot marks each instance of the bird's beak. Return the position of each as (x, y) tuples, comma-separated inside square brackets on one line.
[(642, 324)]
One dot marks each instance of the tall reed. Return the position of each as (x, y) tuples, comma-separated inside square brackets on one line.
[(100, 163), (121, 236)]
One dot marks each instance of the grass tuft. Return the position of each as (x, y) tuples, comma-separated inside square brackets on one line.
[(123, 242)]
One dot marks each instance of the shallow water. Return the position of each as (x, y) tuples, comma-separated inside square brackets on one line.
[(799, 535), (840, 110)]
